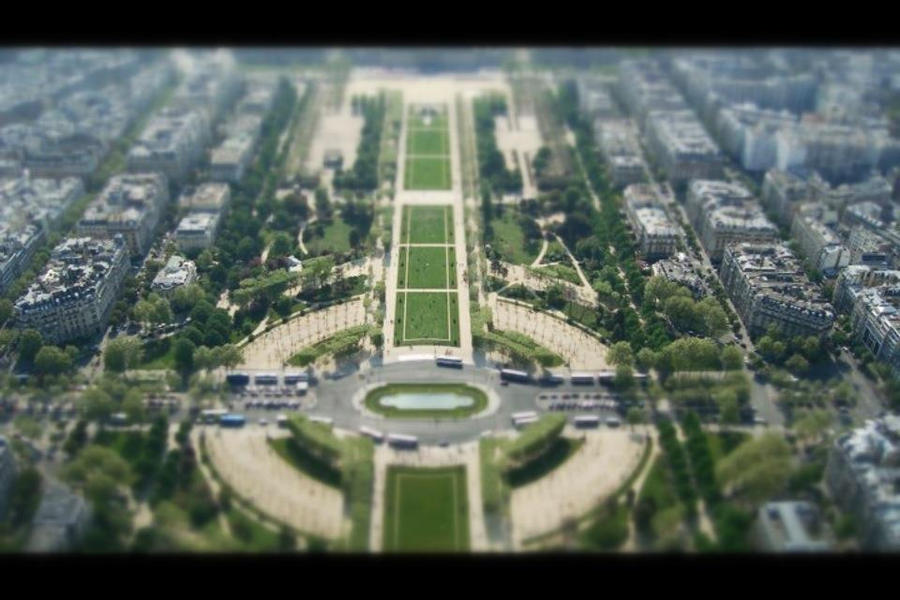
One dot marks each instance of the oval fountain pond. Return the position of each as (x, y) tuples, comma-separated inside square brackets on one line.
[(422, 400), (426, 401)]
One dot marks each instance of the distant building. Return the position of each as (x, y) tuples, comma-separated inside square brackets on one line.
[(657, 236), (229, 161), (178, 272), (863, 476), (685, 271), (768, 287), (74, 294), (868, 248), (782, 192), (619, 145), (726, 213), (131, 205), (172, 143), (872, 297), (682, 147), (789, 527), (60, 521), (207, 197), (818, 243), (857, 277), (197, 231)]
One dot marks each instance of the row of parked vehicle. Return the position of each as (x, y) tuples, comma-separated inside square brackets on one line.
[(584, 405), (573, 396), (271, 404)]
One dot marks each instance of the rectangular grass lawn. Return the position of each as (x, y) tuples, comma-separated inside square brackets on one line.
[(422, 317), (430, 225), (428, 142), (426, 510), (427, 267), (427, 173)]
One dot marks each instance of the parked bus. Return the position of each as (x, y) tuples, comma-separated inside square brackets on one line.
[(582, 379), (513, 375), (292, 378), (551, 379), (232, 421), (524, 415), (449, 361), (524, 421), (587, 421), (376, 435), (212, 415), (237, 379), (402, 441), (606, 376), (266, 379)]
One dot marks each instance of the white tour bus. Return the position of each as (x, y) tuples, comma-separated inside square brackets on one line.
[(372, 433), (587, 421)]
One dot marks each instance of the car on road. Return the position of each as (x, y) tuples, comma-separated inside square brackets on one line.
[(504, 383), (263, 422), (759, 421), (444, 443)]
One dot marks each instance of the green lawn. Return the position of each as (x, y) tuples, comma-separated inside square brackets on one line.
[(335, 238), (426, 318), (426, 510), (373, 400), (426, 267), (509, 240), (427, 174), (431, 225), (560, 271), (428, 142)]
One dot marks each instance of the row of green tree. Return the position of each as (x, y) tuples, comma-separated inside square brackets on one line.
[(491, 165), (364, 174)]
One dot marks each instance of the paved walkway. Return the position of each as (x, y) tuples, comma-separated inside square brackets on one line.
[(601, 465), (580, 350), (516, 274), (244, 459), (273, 348)]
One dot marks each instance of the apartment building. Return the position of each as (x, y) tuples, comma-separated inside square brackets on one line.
[(74, 294), (768, 287)]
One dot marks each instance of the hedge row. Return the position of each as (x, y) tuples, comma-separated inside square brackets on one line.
[(518, 345), (535, 439), (677, 461), (339, 344), (701, 459)]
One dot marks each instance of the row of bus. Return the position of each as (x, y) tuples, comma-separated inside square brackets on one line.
[(243, 379), (603, 377), (524, 419)]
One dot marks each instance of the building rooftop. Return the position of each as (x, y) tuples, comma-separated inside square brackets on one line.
[(791, 527), (772, 270), (205, 197), (76, 269), (177, 272)]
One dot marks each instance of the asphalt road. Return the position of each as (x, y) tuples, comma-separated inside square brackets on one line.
[(332, 398)]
